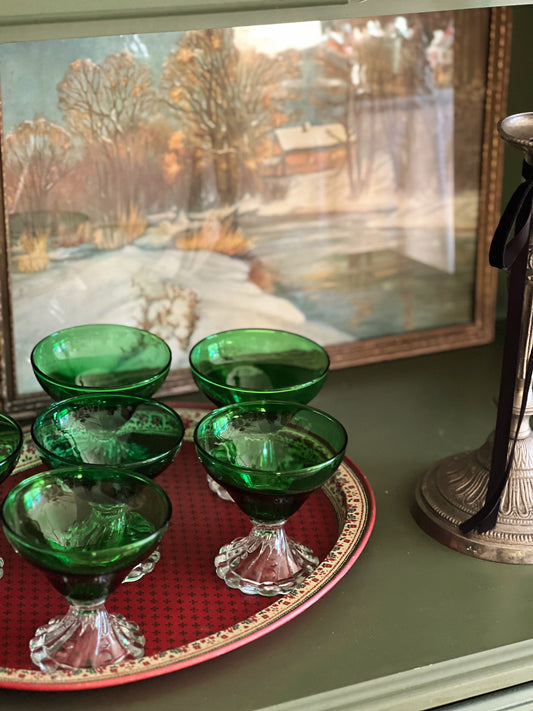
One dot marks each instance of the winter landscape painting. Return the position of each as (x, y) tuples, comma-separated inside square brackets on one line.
[(319, 177)]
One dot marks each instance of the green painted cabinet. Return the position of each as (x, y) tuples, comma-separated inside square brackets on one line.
[(47, 19)]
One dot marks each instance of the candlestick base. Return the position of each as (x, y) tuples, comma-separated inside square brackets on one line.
[(454, 489)]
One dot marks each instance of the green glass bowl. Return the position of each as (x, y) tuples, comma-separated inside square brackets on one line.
[(270, 455), (258, 364), (85, 526), (10, 445), (137, 434), (101, 358)]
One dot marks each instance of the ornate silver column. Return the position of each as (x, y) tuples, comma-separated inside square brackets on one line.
[(455, 489)]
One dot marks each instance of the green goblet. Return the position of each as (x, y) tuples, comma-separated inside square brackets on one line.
[(137, 434), (85, 527), (270, 456), (258, 364), (101, 358), (252, 364), (10, 447)]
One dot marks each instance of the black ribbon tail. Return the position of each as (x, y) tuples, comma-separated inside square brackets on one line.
[(511, 255)]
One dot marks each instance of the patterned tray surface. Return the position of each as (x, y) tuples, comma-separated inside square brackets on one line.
[(186, 612)]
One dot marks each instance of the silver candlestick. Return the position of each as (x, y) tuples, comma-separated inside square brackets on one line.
[(455, 489)]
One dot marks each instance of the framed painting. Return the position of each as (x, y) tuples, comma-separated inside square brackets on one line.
[(339, 179)]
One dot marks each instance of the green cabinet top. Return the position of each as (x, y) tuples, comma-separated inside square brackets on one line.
[(27, 20)]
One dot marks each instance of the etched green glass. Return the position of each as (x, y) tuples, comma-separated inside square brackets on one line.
[(85, 527), (269, 456), (258, 364), (138, 434), (101, 358), (10, 445)]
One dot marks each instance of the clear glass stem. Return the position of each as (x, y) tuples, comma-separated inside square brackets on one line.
[(1, 567), (266, 562), (87, 637), (218, 490), (143, 568)]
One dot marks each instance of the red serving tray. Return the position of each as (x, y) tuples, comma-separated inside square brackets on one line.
[(187, 613)]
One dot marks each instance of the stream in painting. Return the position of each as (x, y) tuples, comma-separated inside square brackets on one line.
[(358, 278)]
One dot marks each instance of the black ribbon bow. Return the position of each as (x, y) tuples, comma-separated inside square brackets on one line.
[(511, 255)]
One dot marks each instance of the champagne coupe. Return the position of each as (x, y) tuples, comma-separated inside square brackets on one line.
[(10, 447), (270, 456), (248, 364), (140, 434), (101, 358), (85, 527), (137, 434)]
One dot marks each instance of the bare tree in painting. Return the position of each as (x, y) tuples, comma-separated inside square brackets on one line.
[(226, 103), (108, 107), (36, 160), (340, 96), (184, 166)]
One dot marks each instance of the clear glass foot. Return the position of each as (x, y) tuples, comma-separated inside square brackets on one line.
[(143, 568), (266, 562), (87, 637), (217, 489)]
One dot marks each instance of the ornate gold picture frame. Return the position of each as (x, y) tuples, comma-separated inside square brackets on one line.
[(339, 179)]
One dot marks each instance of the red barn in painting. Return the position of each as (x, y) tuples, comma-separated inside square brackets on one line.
[(307, 149)]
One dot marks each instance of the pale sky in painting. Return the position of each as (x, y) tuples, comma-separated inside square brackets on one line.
[(276, 38)]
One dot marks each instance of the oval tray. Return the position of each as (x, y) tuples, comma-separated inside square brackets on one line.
[(187, 614)]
